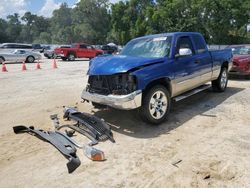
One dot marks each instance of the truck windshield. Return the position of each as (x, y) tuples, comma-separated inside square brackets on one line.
[(149, 47)]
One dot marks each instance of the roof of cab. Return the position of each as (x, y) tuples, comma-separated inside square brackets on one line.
[(167, 34)]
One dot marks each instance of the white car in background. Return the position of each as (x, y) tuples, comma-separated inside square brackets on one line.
[(19, 56)]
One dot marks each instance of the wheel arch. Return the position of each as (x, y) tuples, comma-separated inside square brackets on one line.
[(166, 82), (2, 58), (225, 64), (28, 58)]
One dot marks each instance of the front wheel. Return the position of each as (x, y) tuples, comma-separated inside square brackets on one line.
[(221, 83), (156, 105), (30, 59), (1, 60)]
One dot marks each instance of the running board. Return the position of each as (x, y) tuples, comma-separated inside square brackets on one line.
[(190, 93)]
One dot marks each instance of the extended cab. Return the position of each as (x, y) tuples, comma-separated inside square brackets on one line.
[(77, 51), (152, 70)]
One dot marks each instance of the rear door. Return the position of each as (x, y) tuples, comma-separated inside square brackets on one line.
[(187, 68), (82, 51), (20, 55), (203, 57), (91, 51)]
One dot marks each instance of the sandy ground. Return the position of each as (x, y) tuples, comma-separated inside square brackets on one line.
[(207, 135)]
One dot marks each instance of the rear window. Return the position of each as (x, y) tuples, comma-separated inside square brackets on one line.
[(20, 46), (83, 46), (199, 44)]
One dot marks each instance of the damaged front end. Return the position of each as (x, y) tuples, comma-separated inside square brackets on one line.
[(118, 84), (118, 91)]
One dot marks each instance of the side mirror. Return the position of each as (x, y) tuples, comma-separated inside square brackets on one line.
[(184, 52)]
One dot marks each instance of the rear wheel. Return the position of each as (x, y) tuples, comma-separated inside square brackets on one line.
[(221, 83), (64, 58), (156, 105), (30, 59)]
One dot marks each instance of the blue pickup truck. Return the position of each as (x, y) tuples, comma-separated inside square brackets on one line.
[(153, 70)]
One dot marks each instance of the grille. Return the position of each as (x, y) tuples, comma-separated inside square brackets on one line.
[(120, 84)]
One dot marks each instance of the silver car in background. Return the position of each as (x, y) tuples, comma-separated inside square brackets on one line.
[(19, 56)]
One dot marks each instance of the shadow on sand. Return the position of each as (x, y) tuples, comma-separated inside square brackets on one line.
[(130, 124)]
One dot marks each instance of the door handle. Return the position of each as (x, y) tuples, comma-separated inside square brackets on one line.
[(197, 61)]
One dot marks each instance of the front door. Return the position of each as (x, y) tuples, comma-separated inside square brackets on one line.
[(187, 68)]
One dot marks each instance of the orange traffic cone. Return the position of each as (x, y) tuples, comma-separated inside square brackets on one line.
[(24, 68), (54, 64), (4, 69), (38, 65)]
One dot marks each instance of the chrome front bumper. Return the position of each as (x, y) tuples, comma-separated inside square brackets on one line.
[(124, 102)]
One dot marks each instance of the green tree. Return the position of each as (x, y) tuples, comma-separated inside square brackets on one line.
[(3, 31), (91, 21), (14, 27), (61, 24)]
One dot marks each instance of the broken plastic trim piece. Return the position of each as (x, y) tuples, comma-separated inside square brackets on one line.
[(89, 151), (58, 141), (95, 126)]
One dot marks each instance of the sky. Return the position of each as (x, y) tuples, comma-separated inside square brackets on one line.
[(39, 7)]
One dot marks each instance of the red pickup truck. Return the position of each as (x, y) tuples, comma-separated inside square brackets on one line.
[(78, 50)]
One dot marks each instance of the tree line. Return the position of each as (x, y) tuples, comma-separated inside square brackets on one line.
[(99, 22)]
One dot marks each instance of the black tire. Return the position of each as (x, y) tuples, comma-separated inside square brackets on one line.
[(30, 59), (1, 60), (71, 57), (159, 106), (98, 106), (220, 84), (64, 58)]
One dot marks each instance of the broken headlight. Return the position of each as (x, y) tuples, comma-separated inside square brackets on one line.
[(123, 84)]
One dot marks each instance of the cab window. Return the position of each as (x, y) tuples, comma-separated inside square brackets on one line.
[(184, 42), (83, 46), (199, 44)]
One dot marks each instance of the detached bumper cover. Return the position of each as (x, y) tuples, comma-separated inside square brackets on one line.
[(58, 141), (124, 102)]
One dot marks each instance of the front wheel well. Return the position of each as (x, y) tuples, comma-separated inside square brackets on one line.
[(162, 81), (28, 58), (224, 64), (2, 58)]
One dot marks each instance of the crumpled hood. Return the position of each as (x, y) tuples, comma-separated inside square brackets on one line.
[(108, 65)]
